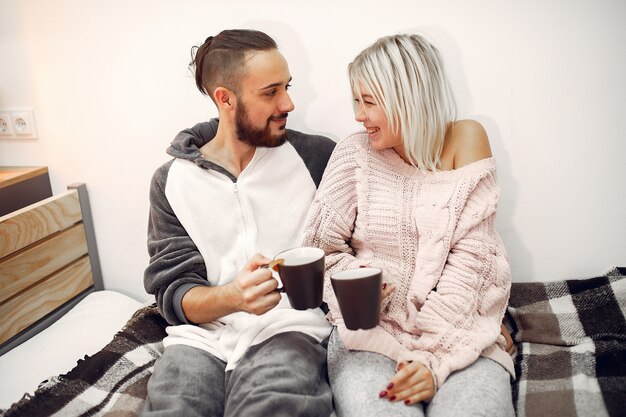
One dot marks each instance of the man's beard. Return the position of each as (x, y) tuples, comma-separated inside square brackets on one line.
[(254, 136)]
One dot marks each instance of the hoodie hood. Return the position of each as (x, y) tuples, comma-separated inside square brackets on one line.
[(187, 144), (313, 149)]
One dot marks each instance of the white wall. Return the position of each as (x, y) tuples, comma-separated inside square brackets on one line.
[(110, 89)]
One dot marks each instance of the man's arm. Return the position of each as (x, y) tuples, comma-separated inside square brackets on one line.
[(252, 291), (177, 275), (175, 264)]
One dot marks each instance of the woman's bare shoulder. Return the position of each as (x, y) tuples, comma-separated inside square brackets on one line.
[(467, 142)]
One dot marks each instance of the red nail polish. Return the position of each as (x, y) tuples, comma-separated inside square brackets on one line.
[(390, 386), (407, 402), (384, 285), (392, 398), (382, 394), (400, 365)]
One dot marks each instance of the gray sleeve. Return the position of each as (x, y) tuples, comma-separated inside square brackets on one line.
[(314, 150), (175, 264)]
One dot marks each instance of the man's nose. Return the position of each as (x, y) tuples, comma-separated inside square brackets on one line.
[(286, 105)]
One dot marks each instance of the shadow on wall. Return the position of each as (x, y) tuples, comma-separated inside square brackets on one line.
[(289, 42), (452, 57), (520, 257)]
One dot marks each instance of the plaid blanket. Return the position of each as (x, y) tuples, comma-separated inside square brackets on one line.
[(571, 357), (111, 382), (571, 346)]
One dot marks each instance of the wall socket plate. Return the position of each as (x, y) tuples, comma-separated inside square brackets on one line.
[(17, 124), (6, 131)]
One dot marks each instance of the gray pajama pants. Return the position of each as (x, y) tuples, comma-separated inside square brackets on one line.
[(283, 376), (356, 378)]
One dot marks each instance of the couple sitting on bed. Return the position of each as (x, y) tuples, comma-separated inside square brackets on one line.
[(415, 194)]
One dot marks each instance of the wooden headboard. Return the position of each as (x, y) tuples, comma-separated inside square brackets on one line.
[(48, 263)]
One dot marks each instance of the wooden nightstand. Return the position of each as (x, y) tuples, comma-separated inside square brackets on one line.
[(22, 186)]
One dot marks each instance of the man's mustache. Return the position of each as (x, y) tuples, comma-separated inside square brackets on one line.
[(280, 116)]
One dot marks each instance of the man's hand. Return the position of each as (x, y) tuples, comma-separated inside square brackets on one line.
[(253, 291), (255, 287), (510, 346), (386, 291), (413, 383)]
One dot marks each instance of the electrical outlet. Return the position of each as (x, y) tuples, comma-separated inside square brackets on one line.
[(6, 130), (17, 124), (23, 124)]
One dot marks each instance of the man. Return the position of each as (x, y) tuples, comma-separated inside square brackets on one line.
[(236, 189)]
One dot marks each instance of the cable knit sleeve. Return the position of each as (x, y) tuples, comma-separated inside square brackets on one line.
[(461, 317), (330, 221)]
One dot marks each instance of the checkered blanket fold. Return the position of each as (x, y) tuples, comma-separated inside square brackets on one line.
[(571, 357), (571, 346), (111, 382)]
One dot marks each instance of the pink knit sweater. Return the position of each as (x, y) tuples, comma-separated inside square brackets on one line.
[(433, 235)]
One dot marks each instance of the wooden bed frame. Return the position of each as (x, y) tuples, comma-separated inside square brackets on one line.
[(48, 263)]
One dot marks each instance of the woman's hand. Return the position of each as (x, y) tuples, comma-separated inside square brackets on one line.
[(413, 383)]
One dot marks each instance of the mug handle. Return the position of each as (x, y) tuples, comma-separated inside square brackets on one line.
[(273, 265)]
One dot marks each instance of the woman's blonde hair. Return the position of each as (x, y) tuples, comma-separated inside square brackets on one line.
[(405, 75)]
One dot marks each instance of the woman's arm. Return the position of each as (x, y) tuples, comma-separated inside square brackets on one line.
[(331, 218)]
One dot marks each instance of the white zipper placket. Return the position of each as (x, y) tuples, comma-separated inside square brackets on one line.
[(248, 250), (244, 220)]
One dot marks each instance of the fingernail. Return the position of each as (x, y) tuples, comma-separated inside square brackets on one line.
[(400, 365), (392, 398), (390, 385), (382, 394), (407, 402), (384, 285)]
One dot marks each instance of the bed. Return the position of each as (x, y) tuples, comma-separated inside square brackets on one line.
[(55, 311), (70, 347)]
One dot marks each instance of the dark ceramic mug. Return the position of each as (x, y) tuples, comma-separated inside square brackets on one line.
[(301, 271), (358, 293)]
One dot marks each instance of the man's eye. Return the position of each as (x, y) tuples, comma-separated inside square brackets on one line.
[(270, 93)]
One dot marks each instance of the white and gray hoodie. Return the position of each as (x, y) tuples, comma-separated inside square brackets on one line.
[(205, 224)]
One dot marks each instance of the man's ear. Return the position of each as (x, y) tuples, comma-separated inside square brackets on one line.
[(224, 98)]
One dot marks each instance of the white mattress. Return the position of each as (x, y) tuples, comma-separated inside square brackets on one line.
[(84, 330)]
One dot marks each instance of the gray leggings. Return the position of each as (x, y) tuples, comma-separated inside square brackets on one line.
[(283, 376), (356, 378)]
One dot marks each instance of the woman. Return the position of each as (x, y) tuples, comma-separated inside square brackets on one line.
[(415, 194)]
